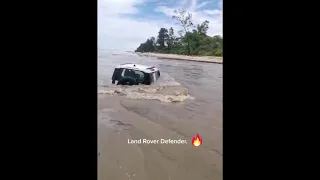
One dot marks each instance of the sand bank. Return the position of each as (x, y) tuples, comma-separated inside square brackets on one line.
[(207, 59), (123, 119)]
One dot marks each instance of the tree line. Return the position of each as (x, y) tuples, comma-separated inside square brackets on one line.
[(191, 40)]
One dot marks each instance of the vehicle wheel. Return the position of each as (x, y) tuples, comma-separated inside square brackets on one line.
[(127, 81)]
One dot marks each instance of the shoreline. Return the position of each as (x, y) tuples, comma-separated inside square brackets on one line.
[(206, 59)]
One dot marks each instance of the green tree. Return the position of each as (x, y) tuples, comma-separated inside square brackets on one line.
[(147, 46), (203, 28), (184, 19), (218, 52), (162, 38), (171, 39), (192, 40)]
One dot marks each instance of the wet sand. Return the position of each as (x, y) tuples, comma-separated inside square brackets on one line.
[(140, 119), (207, 59)]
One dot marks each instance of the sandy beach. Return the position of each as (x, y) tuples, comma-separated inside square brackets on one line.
[(207, 59)]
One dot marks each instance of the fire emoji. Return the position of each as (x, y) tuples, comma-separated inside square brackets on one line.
[(196, 141)]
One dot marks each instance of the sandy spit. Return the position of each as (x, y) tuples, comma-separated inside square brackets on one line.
[(207, 59)]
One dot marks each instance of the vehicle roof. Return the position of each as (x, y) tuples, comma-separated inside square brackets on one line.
[(140, 67)]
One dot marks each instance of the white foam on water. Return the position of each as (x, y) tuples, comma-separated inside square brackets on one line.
[(166, 81), (152, 92)]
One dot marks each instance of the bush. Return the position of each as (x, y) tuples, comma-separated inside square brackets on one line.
[(218, 52), (206, 53)]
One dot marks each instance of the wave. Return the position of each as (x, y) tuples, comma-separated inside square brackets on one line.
[(170, 91), (151, 93)]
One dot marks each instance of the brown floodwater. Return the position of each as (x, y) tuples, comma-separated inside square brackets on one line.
[(185, 101)]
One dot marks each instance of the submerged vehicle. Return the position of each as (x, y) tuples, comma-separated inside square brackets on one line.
[(134, 74)]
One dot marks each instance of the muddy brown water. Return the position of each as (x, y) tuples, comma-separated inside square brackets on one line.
[(185, 101)]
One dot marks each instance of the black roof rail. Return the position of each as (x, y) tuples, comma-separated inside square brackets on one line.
[(151, 67)]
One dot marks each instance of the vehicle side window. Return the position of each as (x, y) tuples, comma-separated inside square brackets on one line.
[(139, 75), (123, 72), (117, 74), (132, 73), (129, 72)]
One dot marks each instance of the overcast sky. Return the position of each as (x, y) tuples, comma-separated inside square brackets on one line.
[(124, 24)]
